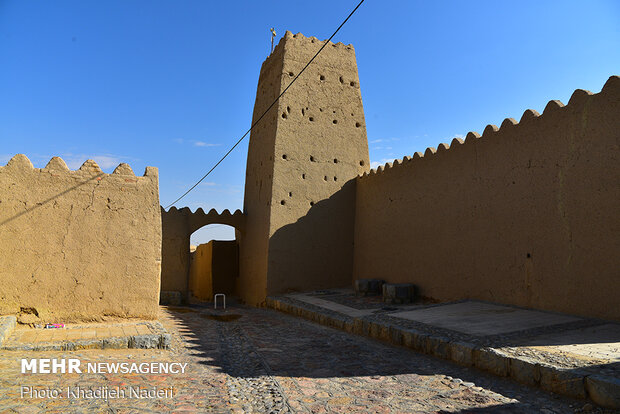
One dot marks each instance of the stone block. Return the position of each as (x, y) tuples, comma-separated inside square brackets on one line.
[(396, 335), (338, 322), (165, 341), (462, 353), (349, 326), (525, 371), (566, 382), (409, 337), (604, 391), (438, 346), (398, 293), (358, 326), (144, 341), (89, 344), (115, 343), (488, 359), (375, 330), (368, 287)]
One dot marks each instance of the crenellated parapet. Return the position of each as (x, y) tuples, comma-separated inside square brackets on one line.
[(309, 43), (530, 119), (56, 166), (197, 219)]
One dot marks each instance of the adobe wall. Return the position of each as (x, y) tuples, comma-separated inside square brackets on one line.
[(177, 227), (200, 272), (303, 158), (78, 245), (214, 269), (524, 215), (175, 252)]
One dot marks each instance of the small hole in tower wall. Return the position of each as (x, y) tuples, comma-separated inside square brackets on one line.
[(357, 125), (284, 156), (322, 77), (284, 115), (290, 194), (303, 111), (352, 84), (335, 160), (283, 202), (311, 158), (335, 178), (291, 74), (311, 203), (303, 176), (335, 121), (362, 163), (288, 109), (325, 178), (341, 79), (311, 119)]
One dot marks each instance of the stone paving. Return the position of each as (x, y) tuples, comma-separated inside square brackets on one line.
[(259, 360), (576, 357)]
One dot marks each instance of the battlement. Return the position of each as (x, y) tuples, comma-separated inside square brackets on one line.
[(199, 211), (197, 219), (302, 40), (56, 165), (578, 100)]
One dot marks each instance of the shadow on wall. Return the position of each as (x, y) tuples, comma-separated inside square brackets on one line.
[(315, 252), (50, 199)]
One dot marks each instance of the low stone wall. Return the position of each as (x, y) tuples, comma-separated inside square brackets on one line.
[(78, 245)]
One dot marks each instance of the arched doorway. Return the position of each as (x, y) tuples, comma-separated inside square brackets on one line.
[(214, 262), (178, 227)]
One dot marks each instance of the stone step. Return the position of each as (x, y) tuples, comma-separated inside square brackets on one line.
[(602, 389)]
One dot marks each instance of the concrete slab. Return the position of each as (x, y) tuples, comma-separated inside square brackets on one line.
[(336, 307), (596, 342), (483, 319)]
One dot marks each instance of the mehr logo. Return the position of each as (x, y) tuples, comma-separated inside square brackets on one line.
[(68, 366), (51, 366)]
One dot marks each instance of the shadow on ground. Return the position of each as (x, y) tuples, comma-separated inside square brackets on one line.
[(262, 343)]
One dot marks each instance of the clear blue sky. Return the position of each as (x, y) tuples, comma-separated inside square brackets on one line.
[(171, 84)]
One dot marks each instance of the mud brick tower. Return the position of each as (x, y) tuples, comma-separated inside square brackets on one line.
[(303, 158)]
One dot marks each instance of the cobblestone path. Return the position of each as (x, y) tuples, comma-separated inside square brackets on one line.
[(266, 362)]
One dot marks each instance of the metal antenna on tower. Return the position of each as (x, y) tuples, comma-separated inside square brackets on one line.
[(273, 35)]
